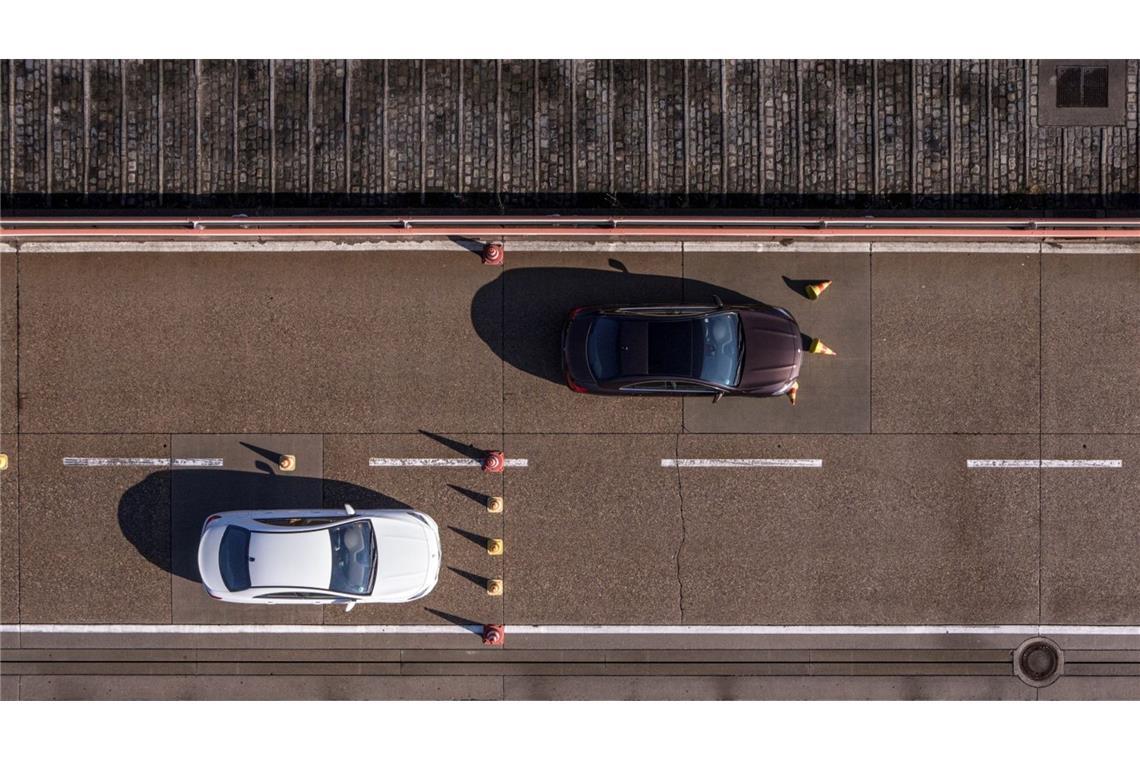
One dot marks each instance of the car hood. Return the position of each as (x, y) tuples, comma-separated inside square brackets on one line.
[(409, 555), (773, 350)]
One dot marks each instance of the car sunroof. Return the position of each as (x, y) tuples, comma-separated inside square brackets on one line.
[(671, 348)]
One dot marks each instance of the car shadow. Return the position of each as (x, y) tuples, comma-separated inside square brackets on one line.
[(195, 494), (536, 300)]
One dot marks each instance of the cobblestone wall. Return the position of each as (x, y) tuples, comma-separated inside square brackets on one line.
[(254, 129), (933, 167), (517, 167), (631, 120), (217, 90), (928, 134)]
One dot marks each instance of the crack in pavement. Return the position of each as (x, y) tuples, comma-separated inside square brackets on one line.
[(681, 546)]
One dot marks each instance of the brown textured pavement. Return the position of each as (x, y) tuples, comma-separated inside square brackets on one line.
[(955, 343), (1090, 533), (77, 561), (1090, 344), (890, 530), (593, 527), (291, 342)]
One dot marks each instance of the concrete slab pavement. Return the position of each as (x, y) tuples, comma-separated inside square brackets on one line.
[(765, 687), (10, 532), (1090, 342), (890, 530), (955, 343), (9, 357), (222, 687), (593, 527), (285, 342), (94, 543), (1090, 533)]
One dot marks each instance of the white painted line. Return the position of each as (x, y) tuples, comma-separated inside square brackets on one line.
[(742, 463), (198, 462), (239, 629), (816, 630), (607, 630), (139, 462), (115, 462), (383, 462), (1043, 463)]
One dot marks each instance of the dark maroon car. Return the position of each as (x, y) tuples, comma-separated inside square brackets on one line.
[(752, 350)]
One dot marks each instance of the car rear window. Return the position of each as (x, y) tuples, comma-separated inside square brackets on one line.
[(602, 348), (234, 558)]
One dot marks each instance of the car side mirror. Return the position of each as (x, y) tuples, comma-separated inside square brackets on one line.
[(718, 302), (349, 605), (719, 395), (349, 510)]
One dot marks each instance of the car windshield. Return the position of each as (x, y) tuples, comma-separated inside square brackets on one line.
[(602, 348), (233, 558), (719, 349), (354, 557)]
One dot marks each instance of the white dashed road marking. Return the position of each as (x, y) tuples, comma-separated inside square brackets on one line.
[(382, 462), (1044, 463), (742, 463), (139, 462)]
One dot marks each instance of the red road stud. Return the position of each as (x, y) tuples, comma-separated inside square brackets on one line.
[(494, 461), (493, 254), (493, 635)]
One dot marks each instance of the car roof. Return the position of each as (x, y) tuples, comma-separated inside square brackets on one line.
[(296, 559)]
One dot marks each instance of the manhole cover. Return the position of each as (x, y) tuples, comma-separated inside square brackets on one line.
[(1038, 662)]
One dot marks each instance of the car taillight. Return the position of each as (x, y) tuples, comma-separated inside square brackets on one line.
[(211, 595), (573, 385), (575, 312)]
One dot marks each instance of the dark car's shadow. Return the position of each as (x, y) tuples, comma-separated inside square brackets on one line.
[(536, 300), (195, 494)]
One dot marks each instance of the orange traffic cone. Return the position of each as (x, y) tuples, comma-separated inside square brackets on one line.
[(792, 390), (818, 347), (813, 289)]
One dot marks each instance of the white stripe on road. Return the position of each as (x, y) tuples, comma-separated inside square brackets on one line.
[(138, 462), (742, 463), (607, 630), (238, 629), (823, 630), (1044, 463), (382, 462)]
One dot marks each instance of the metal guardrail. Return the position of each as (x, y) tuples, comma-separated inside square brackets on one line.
[(567, 226)]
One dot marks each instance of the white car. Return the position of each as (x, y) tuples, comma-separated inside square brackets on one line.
[(292, 556)]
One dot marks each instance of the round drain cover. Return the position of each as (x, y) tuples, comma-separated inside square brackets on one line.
[(1038, 662)]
